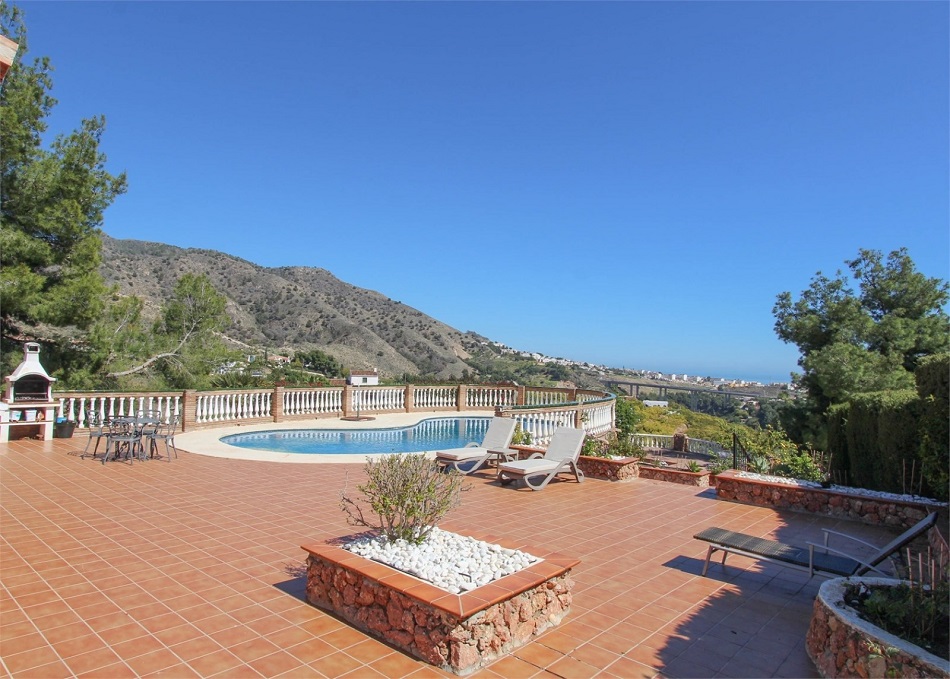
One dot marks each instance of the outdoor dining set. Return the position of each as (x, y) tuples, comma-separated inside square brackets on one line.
[(132, 436)]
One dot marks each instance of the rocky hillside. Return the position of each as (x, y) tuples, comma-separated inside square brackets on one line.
[(289, 309)]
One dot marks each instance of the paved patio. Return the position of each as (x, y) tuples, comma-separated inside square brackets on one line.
[(193, 568)]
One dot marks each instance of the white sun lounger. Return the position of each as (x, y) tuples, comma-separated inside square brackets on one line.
[(537, 471), (474, 456)]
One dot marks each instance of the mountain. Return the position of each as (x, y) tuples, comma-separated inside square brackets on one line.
[(290, 309)]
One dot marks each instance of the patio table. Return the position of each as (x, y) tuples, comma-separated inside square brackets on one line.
[(127, 432)]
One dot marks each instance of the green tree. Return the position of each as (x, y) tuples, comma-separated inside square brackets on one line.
[(321, 362), (858, 341), (52, 202)]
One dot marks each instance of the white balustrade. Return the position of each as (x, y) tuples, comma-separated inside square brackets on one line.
[(76, 407), (378, 399), (549, 407), (313, 401)]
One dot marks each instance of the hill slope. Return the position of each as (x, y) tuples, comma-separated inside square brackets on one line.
[(289, 309)]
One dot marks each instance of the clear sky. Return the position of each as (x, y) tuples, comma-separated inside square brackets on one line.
[(627, 183)]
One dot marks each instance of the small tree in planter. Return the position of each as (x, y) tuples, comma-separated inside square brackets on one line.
[(408, 494)]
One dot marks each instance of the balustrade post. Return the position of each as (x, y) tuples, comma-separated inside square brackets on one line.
[(189, 409), (578, 419), (277, 404), (347, 400), (462, 397), (410, 397), (519, 395)]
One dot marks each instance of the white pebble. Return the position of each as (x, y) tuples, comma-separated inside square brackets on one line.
[(453, 562)]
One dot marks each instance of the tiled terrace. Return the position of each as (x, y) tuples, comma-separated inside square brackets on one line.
[(194, 569)]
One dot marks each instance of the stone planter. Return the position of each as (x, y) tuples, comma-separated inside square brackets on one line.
[(624, 469), (458, 633), (842, 644), (682, 476)]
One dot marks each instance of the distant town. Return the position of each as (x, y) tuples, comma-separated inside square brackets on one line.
[(607, 371)]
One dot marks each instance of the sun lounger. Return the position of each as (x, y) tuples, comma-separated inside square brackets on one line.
[(493, 446), (815, 558), (537, 471)]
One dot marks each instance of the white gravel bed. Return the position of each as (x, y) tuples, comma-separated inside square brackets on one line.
[(848, 490), (453, 562)]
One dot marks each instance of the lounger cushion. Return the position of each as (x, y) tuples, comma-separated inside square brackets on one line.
[(770, 549), (527, 467), (461, 453)]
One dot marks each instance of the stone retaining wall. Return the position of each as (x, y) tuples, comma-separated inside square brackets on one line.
[(682, 476), (610, 470), (629, 468), (457, 633), (842, 644), (879, 509)]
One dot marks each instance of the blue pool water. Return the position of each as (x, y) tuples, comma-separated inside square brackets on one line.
[(435, 434)]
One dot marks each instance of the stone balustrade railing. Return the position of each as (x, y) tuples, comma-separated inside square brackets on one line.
[(538, 410)]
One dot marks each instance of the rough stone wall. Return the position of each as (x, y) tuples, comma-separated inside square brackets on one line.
[(688, 478), (458, 645), (884, 510), (610, 470), (629, 468), (839, 649)]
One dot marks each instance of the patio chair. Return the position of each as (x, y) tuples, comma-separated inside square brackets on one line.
[(124, 438), (164, 432), (828, 562), (537, 471), (494, 446), (98, 430)]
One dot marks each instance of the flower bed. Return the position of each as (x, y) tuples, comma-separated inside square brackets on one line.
[(459, 633), (853, 504), (842, 644)]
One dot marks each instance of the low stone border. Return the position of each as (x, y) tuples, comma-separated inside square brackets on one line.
[(842, 644), (625, 469), (459, 633), (681, 476), (884, 509), (629, 468)]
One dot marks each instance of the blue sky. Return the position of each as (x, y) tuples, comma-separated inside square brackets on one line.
[(628, 183)]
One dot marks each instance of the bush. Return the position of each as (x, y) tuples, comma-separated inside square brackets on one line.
[(521, 437), (408, 494), (799, 466), (918, 614)]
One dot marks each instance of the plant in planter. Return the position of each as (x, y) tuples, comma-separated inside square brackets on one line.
[(408, 495), (719, 464), (694, 466), (914, 612), (439, 620)]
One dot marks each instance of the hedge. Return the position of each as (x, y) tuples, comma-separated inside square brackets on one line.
[(892, 440)]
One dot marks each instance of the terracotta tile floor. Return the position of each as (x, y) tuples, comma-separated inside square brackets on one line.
[(193, 569)]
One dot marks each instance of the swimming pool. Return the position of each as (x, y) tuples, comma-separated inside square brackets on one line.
[(441, 433)]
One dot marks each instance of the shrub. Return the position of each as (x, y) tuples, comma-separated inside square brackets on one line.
[(408, 494), (799, 466), (916, 613), (521, 437)]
